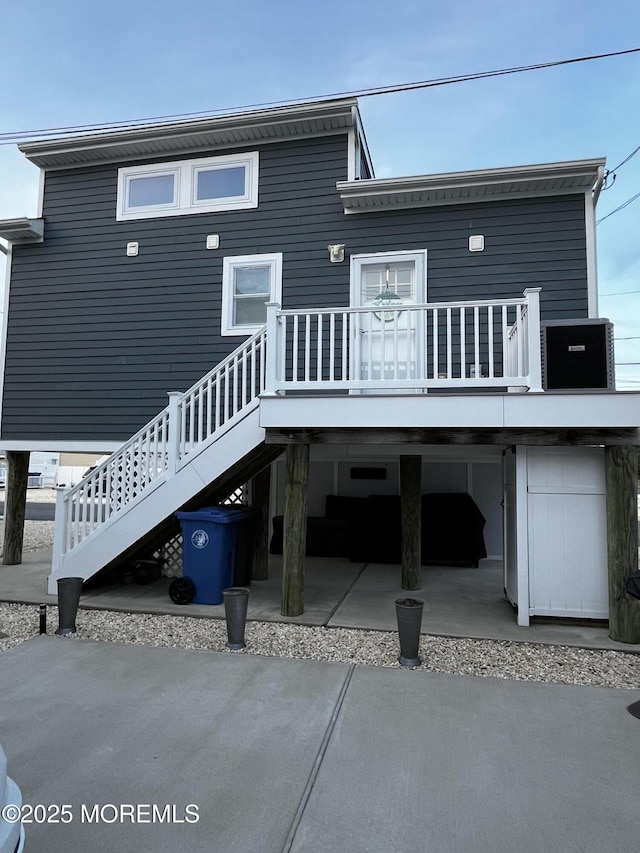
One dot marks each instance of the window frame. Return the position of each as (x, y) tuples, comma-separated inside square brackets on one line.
[(185, 188), (274, 261)]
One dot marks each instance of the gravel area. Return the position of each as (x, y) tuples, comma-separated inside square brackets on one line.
[(497, 658), (501, 659)]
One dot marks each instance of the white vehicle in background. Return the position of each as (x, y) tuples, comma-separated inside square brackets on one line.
[(11, 831)]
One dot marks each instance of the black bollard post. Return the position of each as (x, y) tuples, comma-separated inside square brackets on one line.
[(409, 616), (43, 619), (69, 590), (236, 599)]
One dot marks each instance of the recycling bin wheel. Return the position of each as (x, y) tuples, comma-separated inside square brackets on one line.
[(182, 590)]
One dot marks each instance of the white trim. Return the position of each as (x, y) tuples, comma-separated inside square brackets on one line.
[(522, 537), (364, 147), (185, 173), (274, 261), (248, 127), (598, 410), (40, 205), (45, 445), (352, 152), (5, 326), (572, 177), (592, 258)]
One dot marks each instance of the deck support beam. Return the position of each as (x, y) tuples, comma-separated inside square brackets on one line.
[(261, 493), (295, 529), (621, 465), (15, 506), (410, 487)]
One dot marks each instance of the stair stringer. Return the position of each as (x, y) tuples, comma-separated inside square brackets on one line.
[(121, 532)]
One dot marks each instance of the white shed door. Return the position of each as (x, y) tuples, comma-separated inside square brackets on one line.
[(567, 532)]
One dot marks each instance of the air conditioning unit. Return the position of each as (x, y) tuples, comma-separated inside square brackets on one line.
[(577, 354)]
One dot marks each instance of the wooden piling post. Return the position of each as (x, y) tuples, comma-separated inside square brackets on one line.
[(621, 465), (410, 508), (295, 529), (261, 492), (15, 506)]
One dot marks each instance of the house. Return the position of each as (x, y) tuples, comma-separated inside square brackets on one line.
[(308, 322)]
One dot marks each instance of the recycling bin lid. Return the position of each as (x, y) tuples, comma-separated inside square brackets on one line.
[(219, 514)]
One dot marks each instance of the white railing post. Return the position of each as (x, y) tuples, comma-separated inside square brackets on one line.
[(272, 349), (173, 444), (60, 528), (532, 295)]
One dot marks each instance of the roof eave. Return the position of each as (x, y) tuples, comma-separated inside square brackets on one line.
[(22, 230), (149, 140), (473, 186)]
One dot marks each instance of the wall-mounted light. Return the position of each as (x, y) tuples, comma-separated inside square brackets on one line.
[(336, 252), (476, 243), (213, 241), (132, 250)]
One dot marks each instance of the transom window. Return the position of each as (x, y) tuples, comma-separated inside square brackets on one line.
[(248, 283), (188, 186)]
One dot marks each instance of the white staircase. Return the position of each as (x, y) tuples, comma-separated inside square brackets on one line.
[(200, 437)]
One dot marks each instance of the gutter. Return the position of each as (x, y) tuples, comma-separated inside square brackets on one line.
[(598, 187)]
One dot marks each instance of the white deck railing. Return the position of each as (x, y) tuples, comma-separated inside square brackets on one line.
[(482, 344), (192, 420), (456, 345)]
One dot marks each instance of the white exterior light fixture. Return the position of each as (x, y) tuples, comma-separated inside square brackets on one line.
[(336, 252)]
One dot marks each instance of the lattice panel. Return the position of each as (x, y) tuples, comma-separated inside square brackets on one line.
[(171, 551), (239, 496)]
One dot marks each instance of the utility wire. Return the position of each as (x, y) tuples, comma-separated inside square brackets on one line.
[(618, 209), (626, 160), (621, 293), (6, 138)]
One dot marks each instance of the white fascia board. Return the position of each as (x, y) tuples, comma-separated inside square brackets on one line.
[(573, 410), (381, 411), (597, 410), (53, 445), (266, 125), (22, 230), (380, 192)]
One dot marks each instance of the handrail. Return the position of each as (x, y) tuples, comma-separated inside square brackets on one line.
[(157, 451), (410, 347)]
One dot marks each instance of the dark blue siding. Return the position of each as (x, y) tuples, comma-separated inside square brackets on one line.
[(96, 339)]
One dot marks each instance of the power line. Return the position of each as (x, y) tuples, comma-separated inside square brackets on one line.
[(6, 138), (621, 207), (621, 293), (626, 160)]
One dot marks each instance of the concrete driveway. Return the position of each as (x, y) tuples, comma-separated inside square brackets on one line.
[(279, 755)]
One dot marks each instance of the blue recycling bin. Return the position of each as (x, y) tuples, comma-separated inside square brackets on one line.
[(209, 538)]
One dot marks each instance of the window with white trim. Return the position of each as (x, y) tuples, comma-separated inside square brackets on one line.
[(205, 185), (248, 283)]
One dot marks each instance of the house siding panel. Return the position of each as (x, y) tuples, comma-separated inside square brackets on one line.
[(96, 339)]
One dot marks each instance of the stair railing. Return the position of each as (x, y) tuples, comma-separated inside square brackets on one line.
[(191, 421)]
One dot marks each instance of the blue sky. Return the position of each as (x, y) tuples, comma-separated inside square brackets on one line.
[(71, 62)]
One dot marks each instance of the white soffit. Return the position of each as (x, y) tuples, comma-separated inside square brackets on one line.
[(245, 128), (575, 176)]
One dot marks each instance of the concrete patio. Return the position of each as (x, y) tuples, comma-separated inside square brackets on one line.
[(459, 602)]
